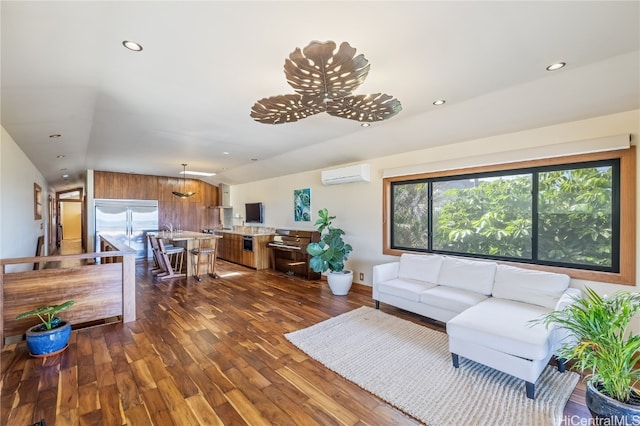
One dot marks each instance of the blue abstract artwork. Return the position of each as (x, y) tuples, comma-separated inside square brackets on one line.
[(302, 205)]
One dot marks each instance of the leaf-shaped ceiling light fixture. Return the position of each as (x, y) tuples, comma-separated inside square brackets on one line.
[(324, 81)]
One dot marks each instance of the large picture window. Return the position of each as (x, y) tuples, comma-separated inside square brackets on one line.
[(553, 214)]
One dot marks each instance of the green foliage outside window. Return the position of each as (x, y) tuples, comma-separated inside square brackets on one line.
[(493, 216), (411, 214), (575, 216)]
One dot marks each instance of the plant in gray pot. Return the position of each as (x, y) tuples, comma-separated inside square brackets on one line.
[(330, 253), (52, 335), (599, 341)]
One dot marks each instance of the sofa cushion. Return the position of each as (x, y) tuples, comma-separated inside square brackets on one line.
[(451, 298), (525, 285), (404, 287), (503, 325), (472, 275), (423, 267)]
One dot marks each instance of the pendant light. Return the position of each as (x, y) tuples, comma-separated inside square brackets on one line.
[(184, 185)]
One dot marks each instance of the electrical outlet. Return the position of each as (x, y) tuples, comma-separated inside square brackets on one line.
[(362, 275)]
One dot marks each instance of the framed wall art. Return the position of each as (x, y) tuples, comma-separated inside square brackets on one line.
[(302, 205)]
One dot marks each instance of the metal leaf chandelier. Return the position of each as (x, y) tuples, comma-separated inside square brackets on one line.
[(184, 193), (324, 81)]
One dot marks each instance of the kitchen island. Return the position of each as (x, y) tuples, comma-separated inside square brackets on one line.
[(245, 246), (189, 240)]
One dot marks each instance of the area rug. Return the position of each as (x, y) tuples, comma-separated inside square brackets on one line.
[(409, 366)]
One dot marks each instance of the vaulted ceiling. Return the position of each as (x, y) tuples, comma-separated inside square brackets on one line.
[(186, 97)]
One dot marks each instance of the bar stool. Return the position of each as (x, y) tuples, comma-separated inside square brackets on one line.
[(155, 250), (166, 257), (176, 256), (206, 248)]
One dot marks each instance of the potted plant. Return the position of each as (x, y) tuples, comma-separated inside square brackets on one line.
[(330, 253), (52, 335), (599, 341)]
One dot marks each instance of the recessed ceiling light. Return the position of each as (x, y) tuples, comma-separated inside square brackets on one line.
[(65, 176), (556, 66), (55, 136), (225, 153), (365, 124), (187, 172), (132, 45), (60, 156), (439, 102)]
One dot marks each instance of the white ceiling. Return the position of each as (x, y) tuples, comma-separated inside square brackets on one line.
[(187, 96)]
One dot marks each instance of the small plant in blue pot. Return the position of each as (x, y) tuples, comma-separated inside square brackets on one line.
[(52, 335)]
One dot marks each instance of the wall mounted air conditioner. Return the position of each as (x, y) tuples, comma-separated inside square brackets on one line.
[(357, 173)]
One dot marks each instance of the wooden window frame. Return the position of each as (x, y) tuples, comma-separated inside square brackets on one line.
[(627, 157)]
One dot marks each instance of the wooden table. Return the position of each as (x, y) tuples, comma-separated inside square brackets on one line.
[(188, 240)]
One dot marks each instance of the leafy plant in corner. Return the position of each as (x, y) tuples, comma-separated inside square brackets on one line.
[(602, 346), (331, 251), (47, 315)]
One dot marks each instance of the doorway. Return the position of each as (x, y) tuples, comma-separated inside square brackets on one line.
[(70, 219)]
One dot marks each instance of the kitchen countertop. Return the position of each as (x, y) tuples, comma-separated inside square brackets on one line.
[(183, 236), (250, 233)]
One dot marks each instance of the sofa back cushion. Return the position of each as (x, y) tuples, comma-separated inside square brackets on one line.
[(423, 267), (472, 275), (528, 286)]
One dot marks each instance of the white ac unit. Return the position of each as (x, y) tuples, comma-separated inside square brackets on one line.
[(357, 173)]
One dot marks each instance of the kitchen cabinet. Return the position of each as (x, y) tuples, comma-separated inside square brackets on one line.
[(261, 251), (231, 248)]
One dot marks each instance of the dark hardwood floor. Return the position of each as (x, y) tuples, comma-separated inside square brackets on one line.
[(204, 353)]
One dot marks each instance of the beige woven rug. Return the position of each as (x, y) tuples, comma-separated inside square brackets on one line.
[(409, 366)]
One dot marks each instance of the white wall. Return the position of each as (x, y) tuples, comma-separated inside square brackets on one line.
[(19, 231), (358, 206)]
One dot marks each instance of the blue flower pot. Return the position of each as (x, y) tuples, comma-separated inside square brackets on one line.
[(48, 342)]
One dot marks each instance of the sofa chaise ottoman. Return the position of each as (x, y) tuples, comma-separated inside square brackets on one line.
[(489, 309)]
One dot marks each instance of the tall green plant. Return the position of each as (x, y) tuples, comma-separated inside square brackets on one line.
[(603, 345), (331, 252)]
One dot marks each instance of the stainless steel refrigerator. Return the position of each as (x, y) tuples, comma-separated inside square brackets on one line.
[(128, 221)]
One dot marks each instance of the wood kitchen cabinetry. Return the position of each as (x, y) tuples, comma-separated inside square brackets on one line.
[(193, 214), (231, 248)]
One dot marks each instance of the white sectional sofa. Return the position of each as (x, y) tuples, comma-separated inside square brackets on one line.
[(487, 308)]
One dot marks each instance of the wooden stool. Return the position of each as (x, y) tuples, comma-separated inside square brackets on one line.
[(161, 257), (206, 248), (155, 250), (176, 256)]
